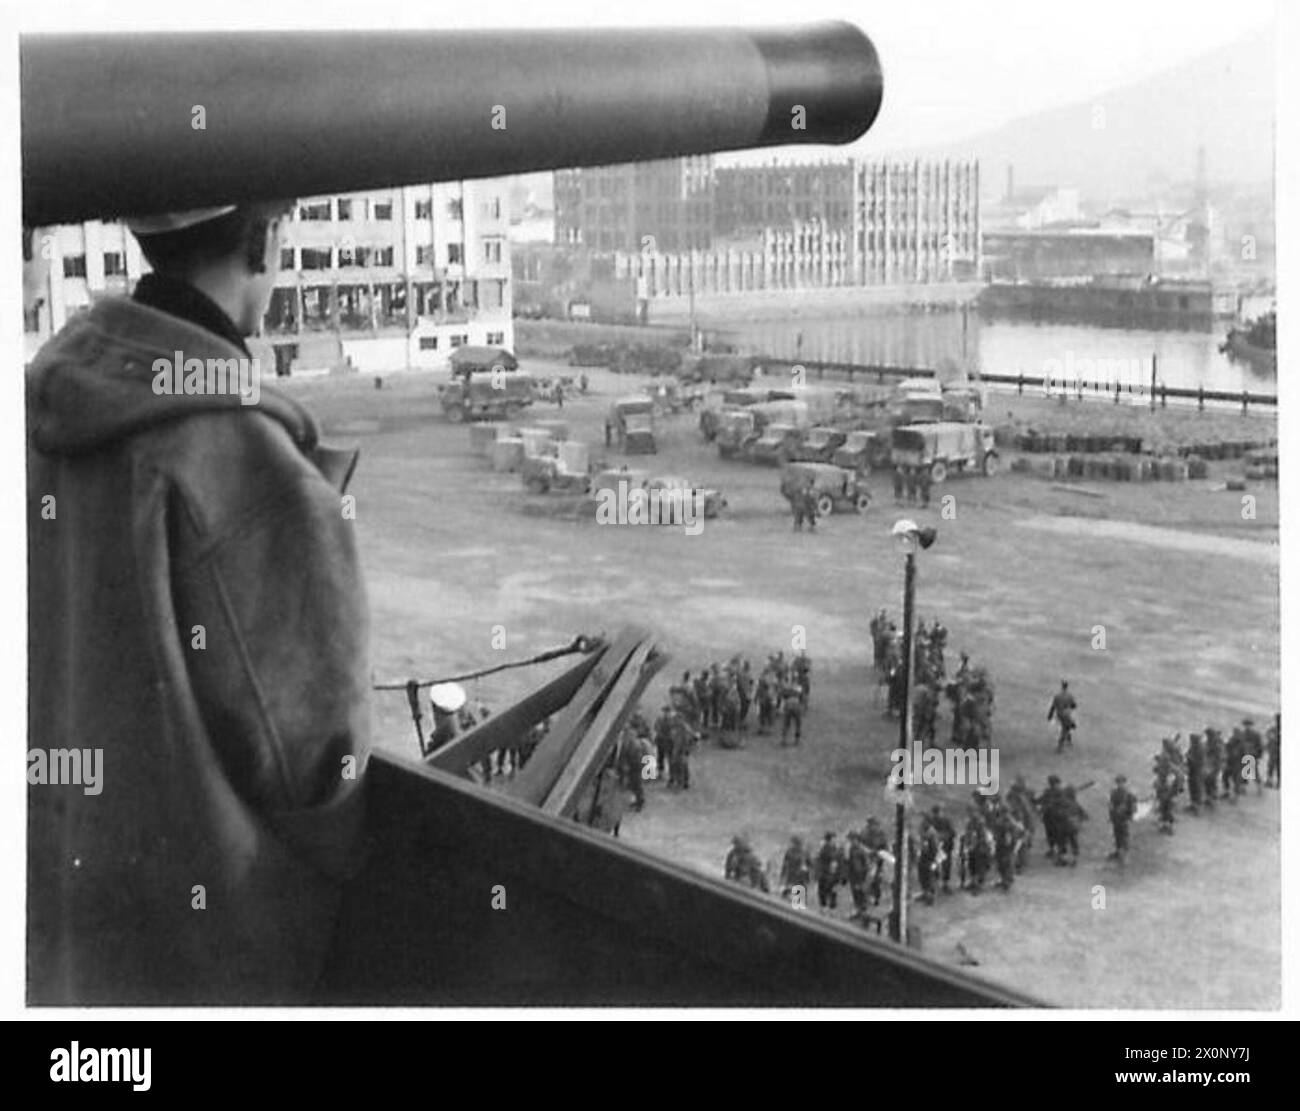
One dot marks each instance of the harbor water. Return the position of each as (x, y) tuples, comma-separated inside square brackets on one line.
[(1092, 354)]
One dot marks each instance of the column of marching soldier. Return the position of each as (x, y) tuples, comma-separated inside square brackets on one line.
[(999, 830)]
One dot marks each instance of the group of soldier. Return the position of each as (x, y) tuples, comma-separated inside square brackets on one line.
[(861, 864), (970, 692), (717, 700), (721, 698), (995, 836), (915, 480), (1214, 769)]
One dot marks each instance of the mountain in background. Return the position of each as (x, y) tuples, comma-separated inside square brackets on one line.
[(1131, 142), (1138, 138)]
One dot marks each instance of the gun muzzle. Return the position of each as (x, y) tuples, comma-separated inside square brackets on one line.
[(115, 125)]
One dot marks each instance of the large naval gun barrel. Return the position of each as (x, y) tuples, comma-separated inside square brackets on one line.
[(119, 124)]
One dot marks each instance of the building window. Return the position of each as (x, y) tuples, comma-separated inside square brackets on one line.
[(424, 254), (492, 209), (345, 208), (74, 266), (286, 258), (453, 254), (347, 257), (319, 210), (383, 210), (492, 250), (496, 339), (315, 258), (459, 341), (456, 209), (383, 257), (428, 343), (114, 264), (424, 210)]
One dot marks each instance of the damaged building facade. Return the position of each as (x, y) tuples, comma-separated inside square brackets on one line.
[(720, 230), (378, 281)]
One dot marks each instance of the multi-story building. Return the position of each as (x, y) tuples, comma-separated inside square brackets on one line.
[(666, 205), (915, 222), (903, 223), (383, 280), (751, 198), (400, 277), (66, 268)]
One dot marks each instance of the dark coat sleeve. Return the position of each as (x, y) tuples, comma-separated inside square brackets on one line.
[(282, 677)]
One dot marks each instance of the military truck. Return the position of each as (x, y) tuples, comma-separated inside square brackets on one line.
[(741, 398), (739, 429), (776, 444), (486, 384), (923, 403), (945, 447), (819, 445), (720, 368), (469, 358), (486, 395), (862, 451), (630, 425), (838, 489)]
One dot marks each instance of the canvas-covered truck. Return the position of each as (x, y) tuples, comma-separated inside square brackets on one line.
[(740, 398), (630, 425), (469, 358), (925, 402), (486, 395), (945, 447), (838, 490), (740, 429), (719, 368)]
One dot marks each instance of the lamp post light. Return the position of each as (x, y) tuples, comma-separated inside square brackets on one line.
[(909, 538)]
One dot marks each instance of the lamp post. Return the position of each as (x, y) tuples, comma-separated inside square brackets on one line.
[(909, 538)]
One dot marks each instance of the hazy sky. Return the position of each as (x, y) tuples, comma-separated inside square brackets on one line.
[(952, 67)]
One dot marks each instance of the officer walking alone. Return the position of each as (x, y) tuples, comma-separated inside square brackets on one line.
[(1062, 708)]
